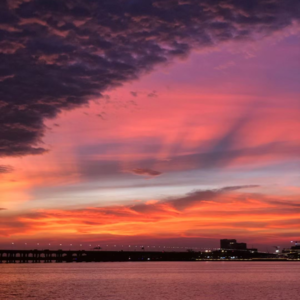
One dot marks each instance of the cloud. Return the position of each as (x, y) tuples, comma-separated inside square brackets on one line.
[(225, 66), (101, 116), (285, 203), (146, 172), (191, 198), (213, 155), (57, 55), (195, 214), (152, 95), (5, 169), (134, 94), (230, 157)]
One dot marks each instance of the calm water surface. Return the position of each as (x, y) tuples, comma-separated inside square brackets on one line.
[(151, 280)]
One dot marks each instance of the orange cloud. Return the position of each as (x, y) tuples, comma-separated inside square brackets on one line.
[(200, 214)]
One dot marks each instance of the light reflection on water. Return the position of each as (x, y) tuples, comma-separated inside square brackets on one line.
[(151, 280)]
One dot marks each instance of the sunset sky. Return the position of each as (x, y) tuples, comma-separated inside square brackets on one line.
[(157, 122)]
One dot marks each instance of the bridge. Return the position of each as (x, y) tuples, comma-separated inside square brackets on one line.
[(59, 256)]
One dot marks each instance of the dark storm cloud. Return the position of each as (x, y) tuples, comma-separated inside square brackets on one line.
[(57, 55)]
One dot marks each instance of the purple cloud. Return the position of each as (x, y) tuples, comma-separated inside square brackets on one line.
[(57, 55)]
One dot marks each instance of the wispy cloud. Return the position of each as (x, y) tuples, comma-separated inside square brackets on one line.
[(5, 169), (145, 172)]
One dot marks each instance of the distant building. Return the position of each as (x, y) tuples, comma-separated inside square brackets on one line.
[(227, 244), (232, 244), (293, 252)]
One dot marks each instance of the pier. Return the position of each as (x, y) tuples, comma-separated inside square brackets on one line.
[(59, 256), (68, 256)]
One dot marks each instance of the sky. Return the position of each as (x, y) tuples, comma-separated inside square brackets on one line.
[(154, 122)]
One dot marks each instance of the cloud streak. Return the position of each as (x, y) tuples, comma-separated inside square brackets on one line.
[(208, 195), (5, 169), (146, 172)]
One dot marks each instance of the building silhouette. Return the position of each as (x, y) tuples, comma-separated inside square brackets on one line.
[(232, 245)]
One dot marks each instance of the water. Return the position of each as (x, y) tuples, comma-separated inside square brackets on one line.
[(151, 280)]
